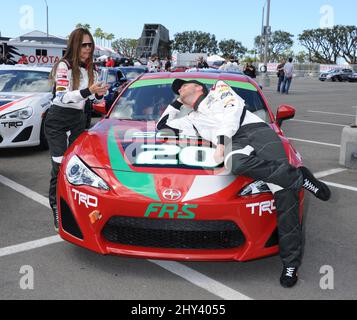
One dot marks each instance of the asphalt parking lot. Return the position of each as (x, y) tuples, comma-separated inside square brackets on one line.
[(62, 271)]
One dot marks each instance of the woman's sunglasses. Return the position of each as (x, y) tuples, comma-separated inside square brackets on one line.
[(87, 45)]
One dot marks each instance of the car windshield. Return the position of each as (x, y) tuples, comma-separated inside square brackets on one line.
[(24, 81), (132, 73), (146, 100), (112, 76)]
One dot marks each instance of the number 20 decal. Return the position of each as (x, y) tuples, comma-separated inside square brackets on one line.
[(189, 156)]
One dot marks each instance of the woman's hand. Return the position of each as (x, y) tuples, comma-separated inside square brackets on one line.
[(98, 89), (219, 154)]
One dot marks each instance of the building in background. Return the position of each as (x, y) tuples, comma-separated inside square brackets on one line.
[(36, 46), (155, 40)]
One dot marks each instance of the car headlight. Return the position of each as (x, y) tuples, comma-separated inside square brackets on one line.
[(22, 114), (79, 174), (255, 188)]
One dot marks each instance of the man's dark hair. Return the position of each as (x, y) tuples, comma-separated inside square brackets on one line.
[(290, 60)]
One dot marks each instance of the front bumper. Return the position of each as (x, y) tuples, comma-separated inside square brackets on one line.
[(118, 226), (16, 133)]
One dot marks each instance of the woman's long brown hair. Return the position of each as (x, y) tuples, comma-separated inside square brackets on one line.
[(73, 57)]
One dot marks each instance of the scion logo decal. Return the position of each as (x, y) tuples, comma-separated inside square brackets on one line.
[(87, 200), (171, 211), (263, 207), (172, 195)]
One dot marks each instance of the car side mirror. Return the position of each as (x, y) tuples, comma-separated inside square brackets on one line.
[(100, 108), (285, 112)]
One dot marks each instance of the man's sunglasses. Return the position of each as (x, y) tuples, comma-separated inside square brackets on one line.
[(87, 45)]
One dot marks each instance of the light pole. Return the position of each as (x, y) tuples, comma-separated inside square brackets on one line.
[(47, 17), (266, 37), (262, 35)]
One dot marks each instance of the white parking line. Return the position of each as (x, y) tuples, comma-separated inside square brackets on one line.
[(25, 191), (316, 142), (29, 246), (201, 281), (322, 123), (323, 174), (333, 113), (340, 186)]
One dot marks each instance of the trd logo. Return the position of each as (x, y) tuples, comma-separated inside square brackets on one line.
[(261, 208), (87, 200), (12, 124)]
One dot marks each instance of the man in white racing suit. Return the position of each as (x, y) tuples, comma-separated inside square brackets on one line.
[(248, 147)]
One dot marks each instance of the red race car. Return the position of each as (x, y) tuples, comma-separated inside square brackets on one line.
[(126, 189)]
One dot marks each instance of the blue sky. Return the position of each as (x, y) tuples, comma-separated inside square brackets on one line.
[(231, 19)]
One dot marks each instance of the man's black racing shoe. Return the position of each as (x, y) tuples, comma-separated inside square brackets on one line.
[(55, 218), (316, 187), (289, 277)]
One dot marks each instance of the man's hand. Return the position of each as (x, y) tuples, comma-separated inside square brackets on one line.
[(219, 154)]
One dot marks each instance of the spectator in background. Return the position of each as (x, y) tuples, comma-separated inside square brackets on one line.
[(168, 64), (288, 76), (154, 64), (231, 65), (250, 70), (202, 63), (280, 73), (110, 63)]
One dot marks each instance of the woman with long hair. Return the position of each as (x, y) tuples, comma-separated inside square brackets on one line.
[(75, 82)]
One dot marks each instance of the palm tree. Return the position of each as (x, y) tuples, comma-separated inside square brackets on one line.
[(110, 38), (84, 26), (98, 34)]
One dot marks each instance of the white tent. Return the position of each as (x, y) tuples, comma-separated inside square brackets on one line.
[(215, 58), (103, 58)]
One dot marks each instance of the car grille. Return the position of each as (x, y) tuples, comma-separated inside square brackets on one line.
[(173, 234)]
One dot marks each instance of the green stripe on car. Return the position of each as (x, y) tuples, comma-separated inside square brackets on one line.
[(141, 183), (211, 82)]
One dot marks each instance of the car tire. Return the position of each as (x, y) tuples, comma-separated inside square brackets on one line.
[(43, 140)]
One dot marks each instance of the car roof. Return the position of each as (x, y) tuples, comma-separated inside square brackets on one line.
[(25, 68), (197, 75)]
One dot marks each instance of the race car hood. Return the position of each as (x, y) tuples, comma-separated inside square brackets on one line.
[(135, 146), (155, 166), (116, 146), (10, 102)]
